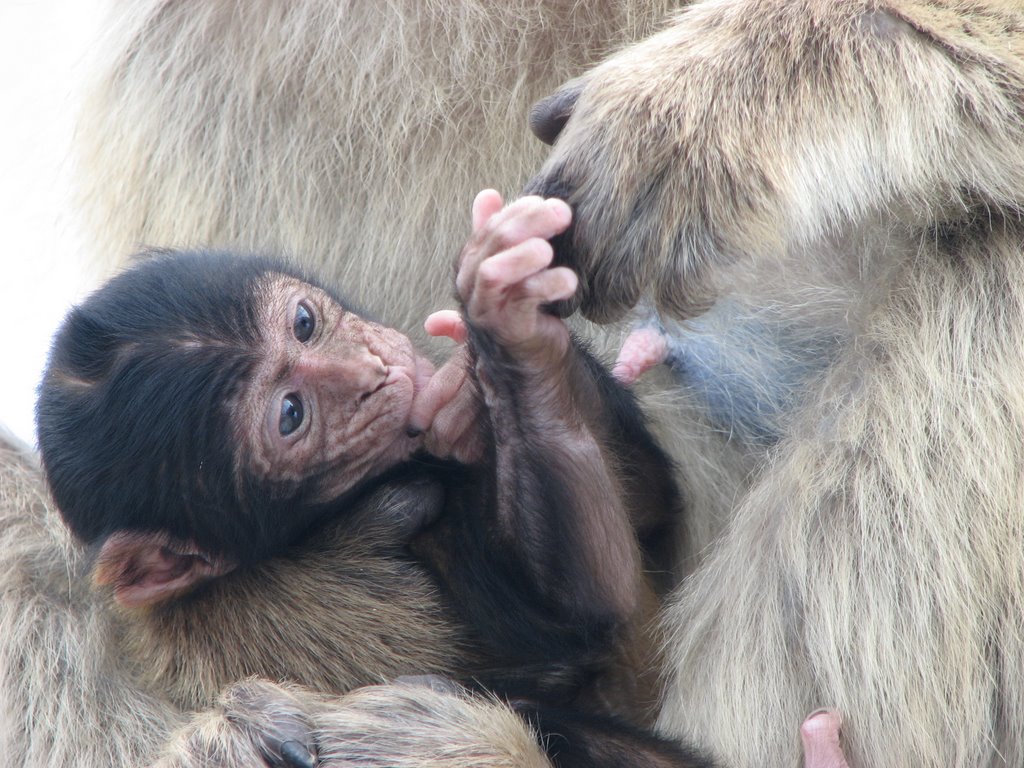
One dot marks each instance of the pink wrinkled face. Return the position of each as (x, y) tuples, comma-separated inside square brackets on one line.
[(332, 394)]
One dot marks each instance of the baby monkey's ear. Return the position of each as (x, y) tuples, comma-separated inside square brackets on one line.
[(146, 569)]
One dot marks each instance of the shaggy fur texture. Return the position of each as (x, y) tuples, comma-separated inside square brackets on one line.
[(843, 176), (350, 134), (63, 682), (421, 725), (837, 176)]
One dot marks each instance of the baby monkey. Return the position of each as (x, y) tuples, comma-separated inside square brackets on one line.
[(203, 414)]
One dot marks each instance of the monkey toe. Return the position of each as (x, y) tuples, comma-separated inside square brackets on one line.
[(296, 755)]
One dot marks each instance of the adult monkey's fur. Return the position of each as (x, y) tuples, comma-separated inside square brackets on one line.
[(844, 181), (874, 563), (328, 130)]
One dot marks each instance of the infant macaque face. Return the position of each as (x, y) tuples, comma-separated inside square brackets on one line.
[(331, 396)]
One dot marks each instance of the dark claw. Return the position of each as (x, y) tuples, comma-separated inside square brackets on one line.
[(413, 431), (296, 755), (549, 115)]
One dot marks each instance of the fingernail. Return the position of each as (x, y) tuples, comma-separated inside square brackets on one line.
[(815, 713), (297, 755)]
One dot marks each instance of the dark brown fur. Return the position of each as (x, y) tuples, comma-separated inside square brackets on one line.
[(874, 559), (527, 579)]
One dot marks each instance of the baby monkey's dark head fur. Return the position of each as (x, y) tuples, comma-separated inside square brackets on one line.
[(135, 408)]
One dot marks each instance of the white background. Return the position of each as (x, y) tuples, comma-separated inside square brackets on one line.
[(44, 49)]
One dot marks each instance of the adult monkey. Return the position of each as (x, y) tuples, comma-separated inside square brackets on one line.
[(364, 127), (222, 179), (841, 183)]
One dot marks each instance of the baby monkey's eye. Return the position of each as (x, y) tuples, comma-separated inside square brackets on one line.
[(291, 415), (304, 324)]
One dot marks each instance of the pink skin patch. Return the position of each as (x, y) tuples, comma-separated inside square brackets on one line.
[(820, 736), (644, 348)]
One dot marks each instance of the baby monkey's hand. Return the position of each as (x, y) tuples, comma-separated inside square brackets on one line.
[(505, 275), (448, 408), (503, 279)]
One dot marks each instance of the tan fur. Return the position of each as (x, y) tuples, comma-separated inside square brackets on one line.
[(853, 170), (847, 166), (398, 725), (63, 682), (328, 130)]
